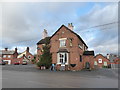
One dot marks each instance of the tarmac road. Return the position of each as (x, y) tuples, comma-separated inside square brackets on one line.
[(27, 76)]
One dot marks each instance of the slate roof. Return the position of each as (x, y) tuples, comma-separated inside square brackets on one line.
[(43, 41), (101, 55), (111, 58), (71, 32), (88, 53), (7, 52)]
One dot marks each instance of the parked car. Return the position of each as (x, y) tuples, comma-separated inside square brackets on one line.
[(16, 63), (24, 63), (2, 62)]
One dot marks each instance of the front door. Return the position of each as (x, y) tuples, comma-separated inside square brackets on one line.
[(87, 65), (62, 59)]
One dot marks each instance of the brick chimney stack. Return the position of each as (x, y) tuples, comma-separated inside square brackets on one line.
[(6, 49), (70, 26), (44, 34), (108, 56), (15, 49), (27, 49)]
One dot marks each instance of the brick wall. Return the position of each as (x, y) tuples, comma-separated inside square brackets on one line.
[(99, 56), (74, 50), (39, 51)]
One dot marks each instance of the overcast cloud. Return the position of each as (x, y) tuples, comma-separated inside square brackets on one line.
[(102, 39), (23, 23)]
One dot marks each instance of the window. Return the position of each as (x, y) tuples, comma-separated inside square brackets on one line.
[(70, 40), (29, 56), (105, 63), (80, 46), (38, 48), (9, 56), (80, 58), (100, 60), (95, 62), (62, 43), (62, 58), (4, 56), (83, 47)]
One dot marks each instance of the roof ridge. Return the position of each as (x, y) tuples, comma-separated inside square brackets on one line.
[(70, 31)]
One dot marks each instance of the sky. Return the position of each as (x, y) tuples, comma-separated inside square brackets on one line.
[(23, 23)]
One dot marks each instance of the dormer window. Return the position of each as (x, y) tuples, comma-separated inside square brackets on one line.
[(62, 42)]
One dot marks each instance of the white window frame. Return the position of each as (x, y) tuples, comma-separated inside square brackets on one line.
[(95, 63), (58, 58), (4, 56), (80, 46), (105, 63), (29, 57), (9, 61), (62, 42), (9, 56), (100, 60)]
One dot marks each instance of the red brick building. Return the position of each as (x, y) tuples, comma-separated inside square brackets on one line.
[(40, 45), (101, 61), (117, 60), (25, 56), (9, 55), (69, 51)]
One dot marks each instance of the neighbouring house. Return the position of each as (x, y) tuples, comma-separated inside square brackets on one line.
[(117, 60), (101, 61), (40, 45), (115, 63), (88, 58), (114, 60), (25, 56), (9, 55), (45, 40), (69, 51)]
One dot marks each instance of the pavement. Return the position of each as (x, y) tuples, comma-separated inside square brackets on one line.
[(28, 76)]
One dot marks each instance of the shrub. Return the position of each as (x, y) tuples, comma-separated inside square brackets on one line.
[(45, 58)]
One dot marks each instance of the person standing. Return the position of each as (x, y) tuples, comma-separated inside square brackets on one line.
[(53, 67)]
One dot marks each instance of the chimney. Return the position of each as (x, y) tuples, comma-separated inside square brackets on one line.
[(27, 49), (44, 34), (6, 49), (23, 56), (108, 56), (70, 26), (15, 49)]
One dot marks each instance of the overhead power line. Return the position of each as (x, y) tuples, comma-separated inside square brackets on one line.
[(99, 26), (82, 30)]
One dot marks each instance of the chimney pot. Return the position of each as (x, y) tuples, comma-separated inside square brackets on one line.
[(108, 56), (70, 26), (15, 49), (27, 49), (44, 34), (6, 49)]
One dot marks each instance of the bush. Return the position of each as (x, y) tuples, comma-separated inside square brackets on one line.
[(105, 66), (45, 58), (33, 61)]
